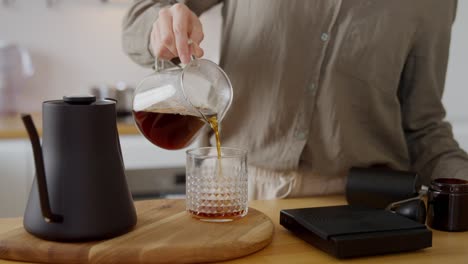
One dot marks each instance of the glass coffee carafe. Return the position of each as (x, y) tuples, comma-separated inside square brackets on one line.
[(171, 105)]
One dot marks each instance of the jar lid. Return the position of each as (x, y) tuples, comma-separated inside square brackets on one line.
[(450, 185)]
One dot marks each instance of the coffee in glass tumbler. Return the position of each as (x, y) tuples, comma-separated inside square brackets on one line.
[(213, 196)]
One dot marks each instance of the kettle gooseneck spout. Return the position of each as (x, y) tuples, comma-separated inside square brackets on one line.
[(49, 216)]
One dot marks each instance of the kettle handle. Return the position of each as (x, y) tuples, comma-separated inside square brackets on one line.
[(40, 171)]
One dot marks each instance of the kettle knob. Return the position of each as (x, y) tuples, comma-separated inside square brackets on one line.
[(79, 99)]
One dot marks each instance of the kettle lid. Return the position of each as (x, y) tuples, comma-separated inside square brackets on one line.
[(80, 102), (80, 99)]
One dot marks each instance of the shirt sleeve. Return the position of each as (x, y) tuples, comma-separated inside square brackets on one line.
[(433, 151), (138, 23)]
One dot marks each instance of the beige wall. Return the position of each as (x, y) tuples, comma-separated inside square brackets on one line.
[(76, 44), (456, 93)]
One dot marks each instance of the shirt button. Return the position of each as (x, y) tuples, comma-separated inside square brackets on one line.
[(300, 135), (312, 87), (325, 36)]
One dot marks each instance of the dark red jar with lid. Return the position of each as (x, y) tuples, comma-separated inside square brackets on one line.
[(448, 204)]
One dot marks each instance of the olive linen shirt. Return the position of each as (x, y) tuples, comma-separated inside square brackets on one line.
[(324, 85)]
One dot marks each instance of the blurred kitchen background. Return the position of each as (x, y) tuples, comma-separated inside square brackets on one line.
[(69, 47)]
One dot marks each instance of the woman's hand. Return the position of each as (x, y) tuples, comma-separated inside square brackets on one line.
[(172, 31)]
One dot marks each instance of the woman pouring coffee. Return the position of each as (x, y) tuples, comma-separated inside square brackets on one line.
[(319, 86)]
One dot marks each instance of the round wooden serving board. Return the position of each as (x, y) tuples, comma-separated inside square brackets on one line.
[(165, 233)]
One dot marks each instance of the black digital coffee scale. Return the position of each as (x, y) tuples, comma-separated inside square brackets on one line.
[(352, 231)]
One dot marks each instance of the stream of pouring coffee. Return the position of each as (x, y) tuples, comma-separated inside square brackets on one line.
[(213, 121)]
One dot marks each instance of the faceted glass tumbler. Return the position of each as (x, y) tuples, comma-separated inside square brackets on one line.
[(216, 188)]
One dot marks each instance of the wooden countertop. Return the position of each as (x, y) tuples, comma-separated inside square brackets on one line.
[(11, 126), (286, 248)]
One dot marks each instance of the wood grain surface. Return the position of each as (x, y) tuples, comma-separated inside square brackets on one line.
[(447, 248), (165, 233)]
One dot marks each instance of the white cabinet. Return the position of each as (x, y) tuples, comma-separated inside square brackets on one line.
[(139, 153), (16, 174), (17, 168)]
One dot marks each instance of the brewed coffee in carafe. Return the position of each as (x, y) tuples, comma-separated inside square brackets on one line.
[(172, 105), (173, 131)]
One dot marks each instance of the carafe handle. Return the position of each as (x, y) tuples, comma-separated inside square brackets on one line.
[(160, 65)]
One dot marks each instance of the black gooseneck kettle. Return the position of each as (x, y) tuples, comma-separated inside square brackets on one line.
[(80, 190)]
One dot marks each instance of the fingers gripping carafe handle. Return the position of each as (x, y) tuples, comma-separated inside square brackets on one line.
[(40, 171), (160, 65)]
